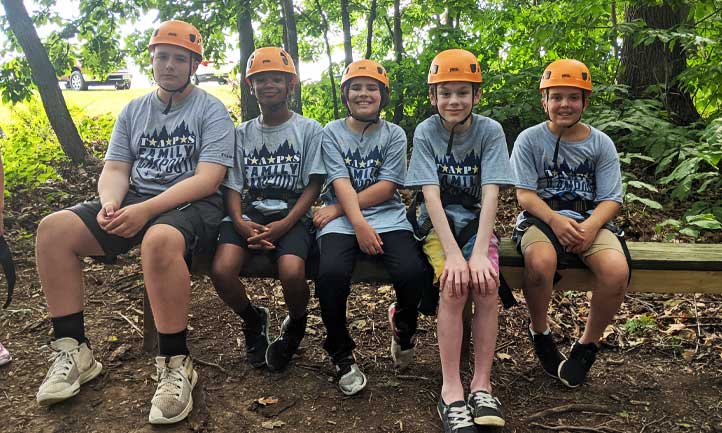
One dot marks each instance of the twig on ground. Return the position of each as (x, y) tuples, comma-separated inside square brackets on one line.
[(696, 319), (130, 322), (212, 364), (411, 377), (644, 427), (574, 427), (573, 407)]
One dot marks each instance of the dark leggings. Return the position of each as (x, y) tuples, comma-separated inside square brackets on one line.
[(404, 262)]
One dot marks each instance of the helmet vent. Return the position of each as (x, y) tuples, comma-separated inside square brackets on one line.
[(380, 71), (585, 76), (473, 68), (434, 69), (547, 74), (192, 37)]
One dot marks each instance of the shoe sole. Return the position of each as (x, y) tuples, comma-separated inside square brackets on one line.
[(559, 376), (356, 390), (5, 361), (275, 368), (49, 399), (184, 413), (489, 421)]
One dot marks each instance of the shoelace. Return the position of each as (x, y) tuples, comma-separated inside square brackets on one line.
[(170, 381), (485, 399), (62, 362), (459, 416)]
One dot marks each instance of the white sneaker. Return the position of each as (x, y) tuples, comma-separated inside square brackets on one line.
[(351, 379), (401, 358), (73, 365), (4, 355), (173, 399)]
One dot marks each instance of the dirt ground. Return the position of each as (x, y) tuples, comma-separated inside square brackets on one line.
[(659, 370)]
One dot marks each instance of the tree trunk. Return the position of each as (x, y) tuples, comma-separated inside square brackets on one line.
[(399, 53), (289, 19), (330, 61), (346, 20), (46, 80), (656, 64), (249, 104), (370, 29)]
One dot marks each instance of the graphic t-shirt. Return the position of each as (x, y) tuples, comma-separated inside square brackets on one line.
[(478, 157), (587, 169), (365, 160), (165, 149), (280, 158)]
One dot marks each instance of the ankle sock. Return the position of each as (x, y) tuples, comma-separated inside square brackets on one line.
[(533, 332), (172, 344), (72, 325)]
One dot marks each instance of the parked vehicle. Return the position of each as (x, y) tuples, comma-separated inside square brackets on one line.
[(80, 79), (209, 71)]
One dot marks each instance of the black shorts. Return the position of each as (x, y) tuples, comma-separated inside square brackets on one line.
[(197, 221), (298, 240)]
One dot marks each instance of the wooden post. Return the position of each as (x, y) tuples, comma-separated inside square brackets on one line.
[(150, 333)]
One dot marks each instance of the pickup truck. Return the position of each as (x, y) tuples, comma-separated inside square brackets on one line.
[(80, 79)]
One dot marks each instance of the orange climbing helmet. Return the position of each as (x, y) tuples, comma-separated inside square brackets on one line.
[(268, 59), (566, 73), (454, 65), (178, 33), (366, 68)]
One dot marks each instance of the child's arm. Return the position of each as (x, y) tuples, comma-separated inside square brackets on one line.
[(482, 275), (605, 211), (369, 241), (2, 197), (455, 277), (377, 193)]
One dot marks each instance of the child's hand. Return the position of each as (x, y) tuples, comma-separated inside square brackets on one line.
[(368, 240), (483, 278), (455, 277), (568, 231), (250, 229), (326, 214), (589, 234)]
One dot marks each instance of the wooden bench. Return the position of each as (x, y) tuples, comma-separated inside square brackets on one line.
[(656, 268)]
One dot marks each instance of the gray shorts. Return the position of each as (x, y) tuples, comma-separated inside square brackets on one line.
[(197, 221)]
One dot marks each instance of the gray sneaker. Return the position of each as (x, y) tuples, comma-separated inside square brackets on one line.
[(351, 379), (173, 399), (73, 365), (401, 358)]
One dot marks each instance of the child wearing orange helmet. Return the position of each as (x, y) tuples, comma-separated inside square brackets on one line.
[(269, 193), (570, 187), (460, 160), (365, 158), (166, 159)]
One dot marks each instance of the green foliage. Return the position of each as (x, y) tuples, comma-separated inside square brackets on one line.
[(640, 324)]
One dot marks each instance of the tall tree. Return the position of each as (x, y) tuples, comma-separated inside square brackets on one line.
[(346, 23), (289, 21), (370, 29), (249, 104), (399, 53), (324, 24), (45, 79), (657, 63)]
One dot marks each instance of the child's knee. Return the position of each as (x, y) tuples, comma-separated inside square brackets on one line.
[(540, 266), (453, 303)]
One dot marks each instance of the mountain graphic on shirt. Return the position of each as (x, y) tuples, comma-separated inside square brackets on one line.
[(462, 176), (363, 169), (163, 157), (276, 170), (565, 182)]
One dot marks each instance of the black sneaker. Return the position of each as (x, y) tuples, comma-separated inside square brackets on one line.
[(547, 352), (257, 340), (455, 417), (280, 352), (573, 371), (485, 409)]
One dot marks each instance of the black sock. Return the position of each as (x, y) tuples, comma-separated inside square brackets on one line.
[(250, 316), (172, 344), (72, 325)]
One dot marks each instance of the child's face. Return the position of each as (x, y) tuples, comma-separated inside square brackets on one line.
[(270, 88), (172, 65), (364, 97), (454, 100), (564, 105)]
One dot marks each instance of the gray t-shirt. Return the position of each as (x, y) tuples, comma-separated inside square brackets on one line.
[(478, 157), (165, 149), (365, 160), (587, 169), (281, 157)]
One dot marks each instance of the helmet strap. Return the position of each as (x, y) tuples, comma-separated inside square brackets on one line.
[(443, 120)]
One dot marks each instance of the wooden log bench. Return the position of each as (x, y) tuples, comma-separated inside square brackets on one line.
[(656, 268)]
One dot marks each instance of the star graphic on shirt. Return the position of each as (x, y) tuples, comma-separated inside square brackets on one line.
[(347, 161), (254, 161), (445, 168), (152, 141), (183, 139), (476, 169), (289, 158), (459, 170), (378, 162), (362, 164)]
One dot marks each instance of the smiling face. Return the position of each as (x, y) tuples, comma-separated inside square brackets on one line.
[(454, 100), (364, 97), (564, 105), (172, 65), (271, 88)]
